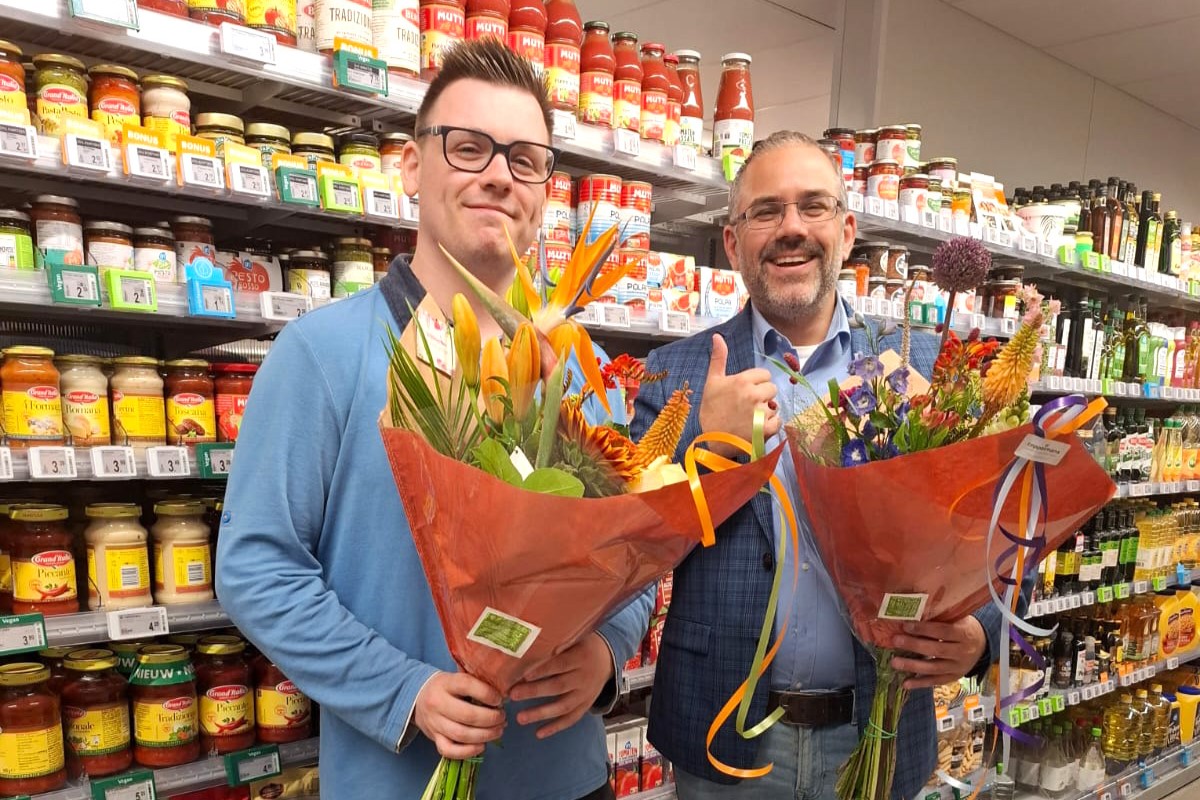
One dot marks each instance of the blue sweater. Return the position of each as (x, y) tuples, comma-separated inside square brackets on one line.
[(317, 567)]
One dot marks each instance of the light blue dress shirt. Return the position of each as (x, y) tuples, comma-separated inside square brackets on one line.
[(817, 652)]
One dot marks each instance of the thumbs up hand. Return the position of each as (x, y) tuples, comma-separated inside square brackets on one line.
[(728, 402)]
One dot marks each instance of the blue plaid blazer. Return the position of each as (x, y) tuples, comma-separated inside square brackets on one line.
[(720, 596)]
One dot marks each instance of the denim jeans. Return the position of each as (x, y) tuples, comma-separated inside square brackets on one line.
[(806, 761)]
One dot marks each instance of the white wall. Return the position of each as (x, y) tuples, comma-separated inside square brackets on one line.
[(1005, 108)]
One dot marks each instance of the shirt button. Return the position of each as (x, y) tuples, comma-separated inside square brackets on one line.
[(768, 562), (804, 566)]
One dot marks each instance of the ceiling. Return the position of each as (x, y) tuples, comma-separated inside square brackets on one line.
[(792, 43), (1144, 48)]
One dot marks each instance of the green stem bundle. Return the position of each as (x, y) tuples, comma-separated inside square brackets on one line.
[(868, 774), (453, 780)]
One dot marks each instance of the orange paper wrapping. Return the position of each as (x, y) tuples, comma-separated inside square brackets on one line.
[(918, 524), (558, 563)]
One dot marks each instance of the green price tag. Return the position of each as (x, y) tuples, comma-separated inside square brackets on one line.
[(297, 186), (132, 786), (1026, 714), (22, 633), (1122, 591), (1046, 706), (215, 459), (254, 764), (1159, 584), (1091, 261), (73, 284), (1104, 594), (131, 291), (341, 194), (1060, 703), (360, 73)]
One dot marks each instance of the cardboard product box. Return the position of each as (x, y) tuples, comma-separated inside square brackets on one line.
[(653, 640), (652, 764), (678, 272), (719, 294), (612, 760), (635, 662), (656, 271), (628, 754)]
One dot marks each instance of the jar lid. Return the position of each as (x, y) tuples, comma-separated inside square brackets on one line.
[(396, 136), (845, 273), (920, 176), (113, 69), (179, 508), (1007, 283), (867, 132), (125, 648), (161, 654), (151, 233), (12, 213), (942, 160), (213, 119), (187, 363), (317, 254), (220, 645), (912, 126), (596, 24), (55, 59), (688, 54), (895, 281), (653, 46), (884, 245), (12, 49), (56, 199), (106, 225), (893, 129), (78, 358), (185, 640), (625, 35), (312, 140), (671, 58), (112, 510), (236, 369), (736, 57), (91, 660), (831, 132), (135, 361), (56, 653), (23, 673), (381, 251), (369, 139), (885, 162), (164, 80), (352, 241), (267, 129), (37, 512), (203, 222), (28, 350)]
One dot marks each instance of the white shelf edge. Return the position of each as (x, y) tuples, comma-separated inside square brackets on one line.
[(91, 627)]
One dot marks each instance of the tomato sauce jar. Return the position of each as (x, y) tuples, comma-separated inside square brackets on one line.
[(95, 703), (443, 25), (864, 147), (54, 659), (12, 80), (883, 180), (596, 80), (115, 99), (891, 144), (224, 683), (282, 713), (29, 394), (527, 31), (232, 385), (191, 416), (31, 740), (43, 561), (165, 717), (627, 82)]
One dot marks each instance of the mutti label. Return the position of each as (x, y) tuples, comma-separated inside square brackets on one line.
[(482, 27)]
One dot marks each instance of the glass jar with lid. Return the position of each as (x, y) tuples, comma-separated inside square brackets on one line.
[(166, 107), (138, 412), (118, 557), (43, 560), (225, 686), (29, 391), (57, 230), (16, 236), (126, 653), (191, 414), (269, 139), (360, 150), (95, 706), (193, 240), (84, 390), (165, 713), (12, 81), (282, 712), (232, 383), (220, 128), (391, 152), (61, 85), (316, 148), (154, 253), (176, 8), (182, 558), (381, 258), (733, 117), (54, 658), (353, 266), (115, 99), (30, 715), (109, 245), (308, 274)]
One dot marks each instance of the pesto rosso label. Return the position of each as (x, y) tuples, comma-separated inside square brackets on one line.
[(168, 674)]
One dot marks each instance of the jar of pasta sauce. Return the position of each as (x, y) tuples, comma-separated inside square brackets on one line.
[(308, 274), (847, 143), (84, 395), (360, 150), (443, 25), (109, 245), (118, 557), (115, 99), (216, 12), (316, 148), (891, 144), (883, 180), (282, 712), (864, 146), (138, 413), (16, 241), (225, 686), (342, 19), (220, 128), (191, 416), (154, 253), (12, 80), (945, 169), (32, 732), (53, 658), (57, 230), (165, 714), (232, 384), (193, 240), (177, 8), (43, 561), (269, 139), (95, 710), (381, 258), (913, 191), (29, 394), (166, 107), (276, 17), (391, 152), (859, 182), (61, 85)]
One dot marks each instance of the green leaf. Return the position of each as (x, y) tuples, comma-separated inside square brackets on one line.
[(494, 460), (882, 421), (549, 480)]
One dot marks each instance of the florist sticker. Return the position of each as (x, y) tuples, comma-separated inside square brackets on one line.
[(904, 607), (502, 632)]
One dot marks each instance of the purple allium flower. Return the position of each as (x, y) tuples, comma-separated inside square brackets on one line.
[(961, 264)]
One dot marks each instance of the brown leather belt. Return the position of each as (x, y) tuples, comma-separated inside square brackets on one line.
[(814, 709)]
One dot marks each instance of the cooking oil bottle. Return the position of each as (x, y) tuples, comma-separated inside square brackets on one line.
[(1160, 709), (1121, 731), (1145, 725)]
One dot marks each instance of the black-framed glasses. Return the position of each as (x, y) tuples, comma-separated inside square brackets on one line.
[(470, 150), (770, 213)]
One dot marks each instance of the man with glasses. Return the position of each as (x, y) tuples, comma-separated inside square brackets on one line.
[(315, 561), (788, 233)]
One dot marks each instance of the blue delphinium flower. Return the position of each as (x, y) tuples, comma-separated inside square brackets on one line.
[(855, 453), (898, 380), (866, 367), (861, 401)]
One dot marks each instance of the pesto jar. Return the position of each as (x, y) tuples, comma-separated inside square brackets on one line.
[(16, 241), (315, 147), (360, 150), (353, 266), (61, 85), (268, 140), (220, 128)]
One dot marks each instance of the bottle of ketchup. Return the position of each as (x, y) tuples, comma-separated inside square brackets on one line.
[(691, 120), (527, 31), (564, 34), (597, 64), (487, 18), (627, 82), (733, 121), (674, 101), (656, 87)]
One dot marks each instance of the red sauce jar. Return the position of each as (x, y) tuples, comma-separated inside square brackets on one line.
[(596, 65), (95, 703), (281, 712), (43, 561), (733, 120), (527, 31), (627, 82), (674, 101), (31, 727), (443, 25), (691, 120), (656, 87), (224, 683), (845, 142), (487, 18), (165, 717), (54, 658), (232, 383), (191, 416), (883, 180)]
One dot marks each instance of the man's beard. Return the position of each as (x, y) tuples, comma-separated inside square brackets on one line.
[(789, 304)]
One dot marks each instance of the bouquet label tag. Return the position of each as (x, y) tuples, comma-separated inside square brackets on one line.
[(503, 632), (903, 607), (1043, 451), (441, 346), (521, 462)]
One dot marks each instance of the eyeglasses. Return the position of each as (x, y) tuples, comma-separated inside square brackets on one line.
[(470, 150), (770, 213)]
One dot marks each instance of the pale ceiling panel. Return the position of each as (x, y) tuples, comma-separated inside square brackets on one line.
[(809, 116), (827, 12), (1179, 98), (1047, 24), (1164, 49)]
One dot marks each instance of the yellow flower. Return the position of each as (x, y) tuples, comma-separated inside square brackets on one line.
[(1008, 375), (658, 473), (664, 434), (524, 368), (466, 339), (491, 390)]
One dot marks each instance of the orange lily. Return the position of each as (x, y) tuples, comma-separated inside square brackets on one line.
[(492, 390), (466, 339), (524, 368)]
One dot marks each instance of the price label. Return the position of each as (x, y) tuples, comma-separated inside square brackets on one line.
[(1141, 587), (247, 43), (976, 713), (564, 124), (1119, 269), (1125, 789), (76, 285), (86, 152), (133, 786), (383, 203), (910, 216), (410, 209), (114, 12), (23, 633), (590, 315), (627, 142), (282, 306), (1037, 610), (1159, 584), (891, 209), (855, 202), (1104, 594), (875, 206), (1088, 599), (113, 462), (18, 141), (215, 299), (929, 219), (676, 322), (1073, 698), (1126, 680), (1173, 662), (366, 75), (615, 316), (52, 463), (1105, 795), (6, 467), (1193, 486), (203, 172), (1075, 601), (1121, 591), (945, 722), (252, 765), (1028, 243), (215, 459), (147, 162), (1008, 327), (685, 157), (137, 291), (137, 623), (1088, 692), (945, 222), (345, 195), (167, 462), (249, 179)]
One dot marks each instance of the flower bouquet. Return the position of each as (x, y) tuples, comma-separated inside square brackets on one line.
[(904, 482), (533, 515)]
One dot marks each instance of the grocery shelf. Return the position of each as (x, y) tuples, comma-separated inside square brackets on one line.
[(1156, 780), (1057, 605), (1115, 391), (85, 469), (1125, 490), (634, 679), (197, 775), (91, 627)]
